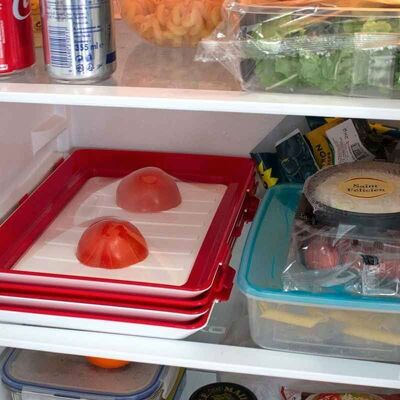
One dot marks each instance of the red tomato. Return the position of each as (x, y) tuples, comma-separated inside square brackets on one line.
[(111, 243), (148, 190), (320, 254)]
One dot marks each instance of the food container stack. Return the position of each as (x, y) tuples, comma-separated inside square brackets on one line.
[(126, 242), (335, 47), (40, 375), (320, 266)]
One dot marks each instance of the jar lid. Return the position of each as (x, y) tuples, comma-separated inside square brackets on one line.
[(223, 390)]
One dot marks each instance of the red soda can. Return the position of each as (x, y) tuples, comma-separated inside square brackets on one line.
[(16, 36)]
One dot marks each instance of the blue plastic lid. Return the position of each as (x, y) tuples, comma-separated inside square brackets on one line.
[(265, 256), (73, 377)]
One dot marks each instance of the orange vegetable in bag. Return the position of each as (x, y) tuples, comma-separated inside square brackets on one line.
[(106, 362)]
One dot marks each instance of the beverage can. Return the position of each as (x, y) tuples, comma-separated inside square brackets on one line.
[(16, 37), (78, 40)]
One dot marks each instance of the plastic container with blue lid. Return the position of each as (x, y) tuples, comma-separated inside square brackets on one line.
[(335, 324), (40, 375)]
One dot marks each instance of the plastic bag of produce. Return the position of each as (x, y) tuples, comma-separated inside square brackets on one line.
[(308, 48), (345, 236)]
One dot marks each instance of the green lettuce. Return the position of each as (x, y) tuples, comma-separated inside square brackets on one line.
[(340, 70)]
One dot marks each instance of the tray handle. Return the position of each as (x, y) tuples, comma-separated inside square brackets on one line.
[(247, 213), (225, 285)]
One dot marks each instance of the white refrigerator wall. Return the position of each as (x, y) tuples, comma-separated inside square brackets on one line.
[(34, 136), (28, 148), (171, 131)]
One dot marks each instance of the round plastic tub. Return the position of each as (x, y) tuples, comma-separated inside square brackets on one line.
[(42, 374), (176, 23)]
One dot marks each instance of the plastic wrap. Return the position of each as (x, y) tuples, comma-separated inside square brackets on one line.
[(306, 48), (345, 235)]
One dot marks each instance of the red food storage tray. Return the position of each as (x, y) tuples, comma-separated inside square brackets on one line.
[(219, 292), (40, 316), (125, 305), (19, 232)]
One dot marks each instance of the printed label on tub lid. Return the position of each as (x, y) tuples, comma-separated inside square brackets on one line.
[(366, 188)]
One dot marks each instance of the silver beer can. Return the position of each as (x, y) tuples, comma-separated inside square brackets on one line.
[(78, 40)]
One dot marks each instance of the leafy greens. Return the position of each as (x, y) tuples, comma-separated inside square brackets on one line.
[(330, 55)]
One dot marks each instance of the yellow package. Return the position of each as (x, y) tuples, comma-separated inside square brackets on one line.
[(319, 144), (381, 129)]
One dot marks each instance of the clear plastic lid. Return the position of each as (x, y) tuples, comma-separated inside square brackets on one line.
[(72, 376)]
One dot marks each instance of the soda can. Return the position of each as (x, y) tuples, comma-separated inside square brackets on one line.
[(17, 51), (78, 40)]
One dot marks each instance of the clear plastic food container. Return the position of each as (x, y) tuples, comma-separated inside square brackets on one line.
[(301, 47), (334, 324), (173, 23), (40, 375)]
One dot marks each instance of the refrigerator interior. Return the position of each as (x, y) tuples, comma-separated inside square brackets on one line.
[(265, 388), (33, 137)]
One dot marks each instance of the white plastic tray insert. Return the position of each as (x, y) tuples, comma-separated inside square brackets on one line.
[(174, 237)]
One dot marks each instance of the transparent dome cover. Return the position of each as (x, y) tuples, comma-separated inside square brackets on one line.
[(148, 189), (111, 243)]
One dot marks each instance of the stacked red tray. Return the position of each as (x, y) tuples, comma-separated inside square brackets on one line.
[(169, 295)]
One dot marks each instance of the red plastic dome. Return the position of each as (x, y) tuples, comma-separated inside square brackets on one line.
[(148, 190), (111, 244)]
